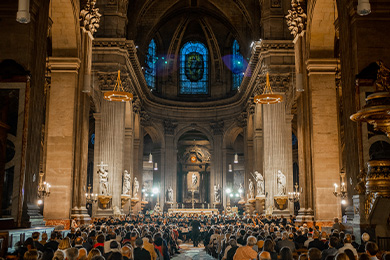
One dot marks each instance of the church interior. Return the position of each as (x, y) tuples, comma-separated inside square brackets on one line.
[(267, 107)]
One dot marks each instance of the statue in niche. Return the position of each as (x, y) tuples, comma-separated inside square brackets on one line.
[(281, 183), (126, 183), (103, 180), (251, 189), (259, 183), (136, 188), (170, 194), (194, 179), (217, 194)]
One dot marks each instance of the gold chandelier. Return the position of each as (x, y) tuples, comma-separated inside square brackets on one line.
[(118, 94), (268, 97)]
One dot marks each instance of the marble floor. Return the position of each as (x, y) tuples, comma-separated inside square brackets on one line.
[(188, 252)]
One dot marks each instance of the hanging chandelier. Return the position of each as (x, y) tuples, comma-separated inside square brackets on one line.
[(118, 94), (268, 97)]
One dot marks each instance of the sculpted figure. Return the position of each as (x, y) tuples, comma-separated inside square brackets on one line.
[(194, 179), (259, 183), (281, 183), (136, 188), (103, 180), (217, 195), (126, 182), (170, 194), (251, 189)]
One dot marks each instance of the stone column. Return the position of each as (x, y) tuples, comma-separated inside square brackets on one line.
[(96, 159), (111, 148), (79, 209), (217, 176), (258, 139), (61, 139), (128, 148), (137, 153), (170, 166), (324, 137), (276, 152)]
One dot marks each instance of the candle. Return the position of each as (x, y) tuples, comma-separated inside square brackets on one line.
[(335, 187)]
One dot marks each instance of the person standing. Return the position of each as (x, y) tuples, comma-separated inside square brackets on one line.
[(195, 224)]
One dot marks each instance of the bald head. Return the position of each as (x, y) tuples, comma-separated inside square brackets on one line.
[(265, 255)]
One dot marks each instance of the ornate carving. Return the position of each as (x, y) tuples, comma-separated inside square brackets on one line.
[(383, 77), (145, 119), (279, 83), (242, 119), (107, 81), (201, 154), (90, 17), (169, 126), (217, 127), (296, 17)]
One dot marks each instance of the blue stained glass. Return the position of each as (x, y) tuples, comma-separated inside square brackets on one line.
[(151, 65), (238, 66), (194, 69)]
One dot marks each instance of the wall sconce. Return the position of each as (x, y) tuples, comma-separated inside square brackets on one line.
[(230, 168), (236, 158), (43, 187), (155, 167), (343, 189), (150, 158)]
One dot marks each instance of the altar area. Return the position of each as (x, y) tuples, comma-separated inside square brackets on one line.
[(206, 212)]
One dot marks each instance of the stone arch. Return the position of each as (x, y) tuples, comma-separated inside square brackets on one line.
[(155, 134), (201, 129), (65, 30), (321, 29), (231, 135)]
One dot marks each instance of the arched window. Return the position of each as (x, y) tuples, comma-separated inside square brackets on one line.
[(151, 65), (238, 66), (194, 69)]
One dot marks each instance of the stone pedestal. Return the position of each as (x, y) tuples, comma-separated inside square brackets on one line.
[(260, 203)]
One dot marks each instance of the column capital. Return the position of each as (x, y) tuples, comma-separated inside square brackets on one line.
[(322, 66), (97, 116), (64, 64)]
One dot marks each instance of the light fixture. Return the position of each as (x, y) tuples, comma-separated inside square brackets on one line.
[(228, 191), (343, 188), (240, 190), (40, 202), (235, 158), (90, 197), (150, 158), (155, 167), (343, 202), (155, 190), (294, 196), (118, 94), (364, 7), (230, 167), (43, 187), (268, 97)]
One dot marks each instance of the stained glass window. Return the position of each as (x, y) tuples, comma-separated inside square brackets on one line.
[(151, 65), (238, 66), (194, 68)]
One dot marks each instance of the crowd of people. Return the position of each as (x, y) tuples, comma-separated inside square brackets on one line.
[(158, 237)]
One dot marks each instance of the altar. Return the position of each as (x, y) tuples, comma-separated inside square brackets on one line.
[(206, 212)]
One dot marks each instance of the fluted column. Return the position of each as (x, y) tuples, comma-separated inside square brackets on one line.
[(276, 152), (111, 146), (170, 167), (96, 159)]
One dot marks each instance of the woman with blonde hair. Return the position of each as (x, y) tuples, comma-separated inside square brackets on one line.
[(64, 244), (93, 252)]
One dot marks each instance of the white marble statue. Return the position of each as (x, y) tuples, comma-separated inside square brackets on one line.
[(126, 183), (136, 188), (194, 179), (251, 189), (217, 194), (281, 183), (170, 194), (259, 183), (103, 180)]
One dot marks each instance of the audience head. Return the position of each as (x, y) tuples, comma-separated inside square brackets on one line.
[(265, 255), (93, 252), (365, 237), (364, 256), (139, 242), (314, 254), (82, 254), (302, 257), (333, 241), (71, 253), (268, 245), (251, 241), (59, 255), (372, 248), (48, 254), (341, 256), (115, 256), (286, 254), (65, 244), (31, 255)]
